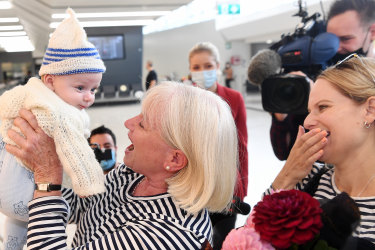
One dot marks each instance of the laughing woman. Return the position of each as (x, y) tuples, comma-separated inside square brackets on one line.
[(342, 134), (181, 164)]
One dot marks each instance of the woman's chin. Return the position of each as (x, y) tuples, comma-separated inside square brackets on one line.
[(324, 158), (126, 161)]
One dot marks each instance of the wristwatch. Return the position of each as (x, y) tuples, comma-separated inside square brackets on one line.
[(47, 187)]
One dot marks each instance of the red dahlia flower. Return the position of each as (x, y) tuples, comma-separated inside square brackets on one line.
[(287, 217)]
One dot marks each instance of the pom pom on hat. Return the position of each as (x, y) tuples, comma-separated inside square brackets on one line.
[(69, 51)]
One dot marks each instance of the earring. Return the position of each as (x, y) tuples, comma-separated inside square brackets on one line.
[(167, 168), (366, 124)]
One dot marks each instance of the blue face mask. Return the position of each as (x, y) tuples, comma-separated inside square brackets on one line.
[(108, 163), (204, 79)]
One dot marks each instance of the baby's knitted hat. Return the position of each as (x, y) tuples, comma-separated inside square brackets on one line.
[(69, 51)]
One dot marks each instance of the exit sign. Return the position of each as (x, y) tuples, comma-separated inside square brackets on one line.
[(228, 9)]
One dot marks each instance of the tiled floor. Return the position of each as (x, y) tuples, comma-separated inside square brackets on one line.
[(263, 165)]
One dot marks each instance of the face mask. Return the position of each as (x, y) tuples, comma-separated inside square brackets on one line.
[(204, 79), (338, 57), (108, 164), (106, 158)]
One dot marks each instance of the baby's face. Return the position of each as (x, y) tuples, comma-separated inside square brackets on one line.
[(78, 89)]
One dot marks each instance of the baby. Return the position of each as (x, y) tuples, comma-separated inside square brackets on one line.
[(70, 74)]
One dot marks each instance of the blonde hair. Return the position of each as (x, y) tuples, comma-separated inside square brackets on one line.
[(200, 124), (354, 78), (205, 47)]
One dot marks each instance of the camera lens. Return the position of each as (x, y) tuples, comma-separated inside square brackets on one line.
[(285, 94), (288, 95), (286, 91)]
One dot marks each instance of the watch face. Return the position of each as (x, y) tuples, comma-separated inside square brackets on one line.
[(47, 187), (42, 186)]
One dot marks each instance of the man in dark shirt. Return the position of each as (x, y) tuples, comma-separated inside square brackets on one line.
[(103, 138), (353, 22), (152, 77)]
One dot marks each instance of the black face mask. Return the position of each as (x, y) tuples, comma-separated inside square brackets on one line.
[(338, 57)]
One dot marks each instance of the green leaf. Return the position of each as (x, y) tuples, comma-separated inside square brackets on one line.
[(322, 245)]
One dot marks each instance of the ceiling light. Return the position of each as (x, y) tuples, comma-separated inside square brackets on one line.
[(16, 44), (114, 14), (9, 20), (5, 5), (11, 27), (110, 23), (13, 33)]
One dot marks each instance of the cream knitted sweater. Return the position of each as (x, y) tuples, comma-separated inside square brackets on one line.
[(67, 125)]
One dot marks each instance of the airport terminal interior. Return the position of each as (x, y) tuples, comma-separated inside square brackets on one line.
[(129, 33)]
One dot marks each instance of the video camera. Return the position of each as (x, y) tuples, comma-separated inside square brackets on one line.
[(308, 50)]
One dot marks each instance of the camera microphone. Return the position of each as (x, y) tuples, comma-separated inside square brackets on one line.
[(262, 65)]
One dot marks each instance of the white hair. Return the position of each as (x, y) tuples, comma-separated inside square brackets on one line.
[(201, 125)]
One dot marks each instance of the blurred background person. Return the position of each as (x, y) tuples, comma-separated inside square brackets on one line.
[(228, 72), (103, 139), (152, 77), (353, 21)]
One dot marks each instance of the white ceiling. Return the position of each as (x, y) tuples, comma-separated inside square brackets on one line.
[(35, 15)]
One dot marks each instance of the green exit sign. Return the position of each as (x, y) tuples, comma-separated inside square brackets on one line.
[(228, 9)]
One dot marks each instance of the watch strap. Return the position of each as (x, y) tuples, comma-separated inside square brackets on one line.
[(47, 187)]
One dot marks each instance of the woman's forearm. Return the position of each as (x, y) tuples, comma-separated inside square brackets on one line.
[(47, 223)]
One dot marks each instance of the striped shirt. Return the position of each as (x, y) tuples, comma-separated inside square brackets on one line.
[(327, 189), (116, 219)]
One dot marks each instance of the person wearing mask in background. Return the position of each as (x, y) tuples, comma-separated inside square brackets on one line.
[(228, 72), (102, 139), (353, 21), (152, 77), (204, 64)]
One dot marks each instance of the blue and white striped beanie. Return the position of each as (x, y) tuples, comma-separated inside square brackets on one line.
[(69, 52)]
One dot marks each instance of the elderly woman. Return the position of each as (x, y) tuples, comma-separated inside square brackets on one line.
[(180, 165), (204, 64), (342, 133)]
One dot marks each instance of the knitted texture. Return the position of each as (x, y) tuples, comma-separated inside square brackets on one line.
[(69, 51), (67, 125)]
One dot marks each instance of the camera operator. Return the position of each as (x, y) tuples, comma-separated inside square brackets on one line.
[(353, 22)]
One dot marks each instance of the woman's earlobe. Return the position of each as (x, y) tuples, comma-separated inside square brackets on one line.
[(179, 160)]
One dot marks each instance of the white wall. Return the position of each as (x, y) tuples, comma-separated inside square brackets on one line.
[(169, 51), (268, 23)]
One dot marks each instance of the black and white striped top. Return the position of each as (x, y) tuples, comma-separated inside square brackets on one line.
[(116, 219), (327, 190)]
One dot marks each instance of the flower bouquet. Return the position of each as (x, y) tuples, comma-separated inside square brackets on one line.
[(293, 219)]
